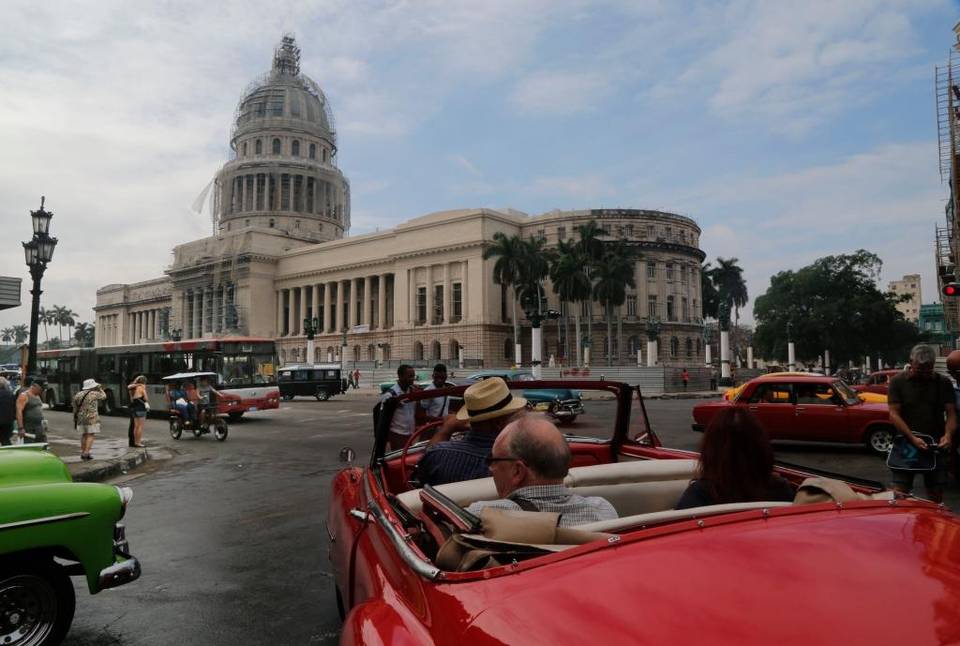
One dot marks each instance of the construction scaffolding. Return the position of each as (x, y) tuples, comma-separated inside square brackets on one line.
[(947, 90)]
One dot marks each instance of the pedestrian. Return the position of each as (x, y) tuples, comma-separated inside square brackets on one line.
[(436, 408), (86, 415), (30, 410), (356, 378), (139, 407), (403, 421), (918, 400), (8, 412), (686, 378)]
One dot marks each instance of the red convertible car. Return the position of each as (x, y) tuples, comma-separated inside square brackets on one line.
[(808, 408), (411, 566)]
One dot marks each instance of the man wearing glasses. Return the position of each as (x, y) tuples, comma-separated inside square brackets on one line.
[(922, 401), (529, 461)]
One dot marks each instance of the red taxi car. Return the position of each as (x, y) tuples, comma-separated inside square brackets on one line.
[(877, 382), (808, 408), (744, 573)]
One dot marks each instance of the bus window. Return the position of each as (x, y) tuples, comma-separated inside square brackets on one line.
[(263, 369), (236, 371), (171, 363)]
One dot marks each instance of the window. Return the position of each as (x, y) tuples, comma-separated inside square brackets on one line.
[(421, 306), (246, 222), (683, 236), (633, 345), (313, 151), (507, 349), (671, 314), (629, 230), (689, 347), (457, 302), (674, 347), (631, 305), (258, 147), (244, 149), (684, 308), (668, 233), (435, 351), (771, 394), (541, 234), (296, 224), (437, 304), (418, 351), (683, 274), (295, 149), (561, 233), (652, 307), (650, 231), (652, 270), (276, 146), (669, 271)]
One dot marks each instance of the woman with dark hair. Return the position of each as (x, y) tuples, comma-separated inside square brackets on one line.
[(736, 464)]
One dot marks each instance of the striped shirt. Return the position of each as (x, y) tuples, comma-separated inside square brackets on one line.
[(457, 460), (573, 509)]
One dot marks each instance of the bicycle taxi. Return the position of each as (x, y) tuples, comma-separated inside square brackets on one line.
[(192, 403)]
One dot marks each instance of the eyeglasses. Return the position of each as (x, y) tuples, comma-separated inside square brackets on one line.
[(490, 460)]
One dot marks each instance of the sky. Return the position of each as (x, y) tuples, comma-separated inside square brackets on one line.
[(788, 131)]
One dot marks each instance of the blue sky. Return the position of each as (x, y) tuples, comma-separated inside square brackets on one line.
[(787, 130)]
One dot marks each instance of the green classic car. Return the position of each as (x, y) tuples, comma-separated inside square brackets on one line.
[(51, 529), (563, 404)]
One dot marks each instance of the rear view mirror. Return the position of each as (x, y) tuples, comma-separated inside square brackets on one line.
[(347, 455)]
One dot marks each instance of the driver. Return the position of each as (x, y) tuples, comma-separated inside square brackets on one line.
[(529, 461), (488, 406)]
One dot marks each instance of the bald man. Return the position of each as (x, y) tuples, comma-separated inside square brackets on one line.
[(529, 460)]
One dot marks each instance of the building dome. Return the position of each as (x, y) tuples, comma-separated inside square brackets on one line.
[(286, 99)]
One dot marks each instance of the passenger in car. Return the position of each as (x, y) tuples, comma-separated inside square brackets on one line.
[(529, 461), (736, 464), (488, 407)]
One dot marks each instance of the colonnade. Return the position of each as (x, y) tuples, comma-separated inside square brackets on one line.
[(146, 325), (284, 192), (337, 305), (210, 309), (435, 298), (108, 329)]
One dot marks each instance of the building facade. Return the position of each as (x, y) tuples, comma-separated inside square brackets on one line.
[(908, 286), (420, 292)]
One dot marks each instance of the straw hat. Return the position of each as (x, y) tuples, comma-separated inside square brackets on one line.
[(489, 399), (89, 384)]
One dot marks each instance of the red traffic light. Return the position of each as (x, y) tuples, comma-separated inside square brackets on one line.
[(951, 289)]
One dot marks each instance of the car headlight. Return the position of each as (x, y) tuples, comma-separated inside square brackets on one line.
[(126, 495)]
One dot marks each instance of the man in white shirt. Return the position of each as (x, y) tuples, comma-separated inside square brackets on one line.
[(403, 421), (437, 407)]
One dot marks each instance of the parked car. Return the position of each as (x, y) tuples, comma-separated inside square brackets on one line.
[(878, 382), (411, 566), (872, 397), (51, 529), (808, 407), (320, 380), (563, 404), (423, 379)]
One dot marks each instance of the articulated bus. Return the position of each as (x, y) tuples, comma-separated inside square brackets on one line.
[(246, 366)]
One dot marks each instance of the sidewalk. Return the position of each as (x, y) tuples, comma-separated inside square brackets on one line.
[(372, 392)]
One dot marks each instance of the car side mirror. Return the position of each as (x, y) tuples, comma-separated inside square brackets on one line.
[(347, 455)]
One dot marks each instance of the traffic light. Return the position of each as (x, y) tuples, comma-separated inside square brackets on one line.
[(951, 289)]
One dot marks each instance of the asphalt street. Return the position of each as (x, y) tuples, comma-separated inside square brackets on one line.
[(231, 535)]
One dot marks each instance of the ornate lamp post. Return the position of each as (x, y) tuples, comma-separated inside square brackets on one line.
[(38, 252), (310, 328), (535, 314), (653, 334), (791, 350)]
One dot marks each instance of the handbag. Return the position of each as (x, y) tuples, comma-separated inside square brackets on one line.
[(904, 456)]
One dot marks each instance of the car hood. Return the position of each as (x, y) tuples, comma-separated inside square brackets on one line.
[(30, 465), (827, 577)]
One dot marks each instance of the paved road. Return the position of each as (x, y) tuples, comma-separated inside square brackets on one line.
[(231, 534)]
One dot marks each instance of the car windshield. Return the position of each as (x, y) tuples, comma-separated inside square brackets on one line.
[(848, 394), (524, 376)]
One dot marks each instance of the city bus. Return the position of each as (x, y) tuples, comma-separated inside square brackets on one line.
[(246, 366)]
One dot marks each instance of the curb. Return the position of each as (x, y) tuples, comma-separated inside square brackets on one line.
[(109, 468)]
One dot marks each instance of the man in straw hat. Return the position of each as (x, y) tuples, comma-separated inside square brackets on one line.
[(488, 406), (86, 415)]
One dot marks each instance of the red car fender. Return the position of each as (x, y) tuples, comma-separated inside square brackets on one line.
[(342, 528), (376, 622)]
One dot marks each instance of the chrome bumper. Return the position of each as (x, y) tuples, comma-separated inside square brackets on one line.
[(568, 408), (119, 573)]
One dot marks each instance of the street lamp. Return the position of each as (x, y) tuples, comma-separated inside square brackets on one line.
[(536, 316), (791, 349), (310, 328), (38, 251)]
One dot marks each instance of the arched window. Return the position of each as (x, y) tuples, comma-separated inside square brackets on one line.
[(435, 351), (507, 349), (276, 146), (330, 353), (689, 347), (418, 351), (674, 347), (356, 353), (313, 151), (454, 350), (295, 149), (324, 154), (283, 356), (316, 355), (698, 347), (372, 352), (386, 351), (258, 147), (633, 344)]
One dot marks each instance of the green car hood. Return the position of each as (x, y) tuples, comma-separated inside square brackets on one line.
[(30, 465)]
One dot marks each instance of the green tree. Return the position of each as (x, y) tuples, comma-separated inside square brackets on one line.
[(84, 334), (590, 247), (7, 334), (571, 283), (833, 304), (709, 296), (731, 287), (45, 316), (613, 274), (508, 269), (20, 333)]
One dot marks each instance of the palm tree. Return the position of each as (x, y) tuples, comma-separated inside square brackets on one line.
[(709, 295), (591, 249), (6, 334), (45, 316), (69, 319), (20, 333), (61, 316), (84, 334), (613, 275), (731, 288), (508, 269), (571, 283)]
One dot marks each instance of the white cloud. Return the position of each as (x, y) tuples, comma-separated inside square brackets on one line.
[(560, 93), (466, 164)]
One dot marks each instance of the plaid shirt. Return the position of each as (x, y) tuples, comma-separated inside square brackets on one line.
[(573, 509), (457, 460)]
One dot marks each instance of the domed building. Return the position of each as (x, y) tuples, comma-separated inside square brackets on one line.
[(420, 292)]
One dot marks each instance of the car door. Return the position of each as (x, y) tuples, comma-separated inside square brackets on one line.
[(772, 404), (820, 413)]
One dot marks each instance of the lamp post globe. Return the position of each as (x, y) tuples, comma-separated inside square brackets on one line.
[(37, 252)]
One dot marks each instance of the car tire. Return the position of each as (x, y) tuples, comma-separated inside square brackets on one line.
[(176, 428), (880, 439), (197, 431), (220, 429), (287, 398), (46, 590), (235, 416), (567, 421), (322, 395)]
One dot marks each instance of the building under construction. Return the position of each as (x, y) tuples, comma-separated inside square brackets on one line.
[(947, 82)]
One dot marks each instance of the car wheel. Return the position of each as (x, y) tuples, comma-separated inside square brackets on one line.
[(176, 428), (287, 398), (36, 603), (322, 395), (197, 431), (235, 416), (880, 439), (567, 421), (220, 429)]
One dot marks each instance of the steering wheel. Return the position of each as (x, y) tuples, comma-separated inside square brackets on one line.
[(411, 441)]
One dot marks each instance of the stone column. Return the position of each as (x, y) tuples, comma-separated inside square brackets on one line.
[(154, 323), (464, 281), (315, 313), (367, 304), (291, 310), (447, 295), (223, 308), (382, 303), (429, 294), (133, 328), (279, 312), (327, 289), (243, 193), (412, 295), (214, 310), (351, 302)]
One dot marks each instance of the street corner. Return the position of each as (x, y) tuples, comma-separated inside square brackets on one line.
[(112, 458)]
